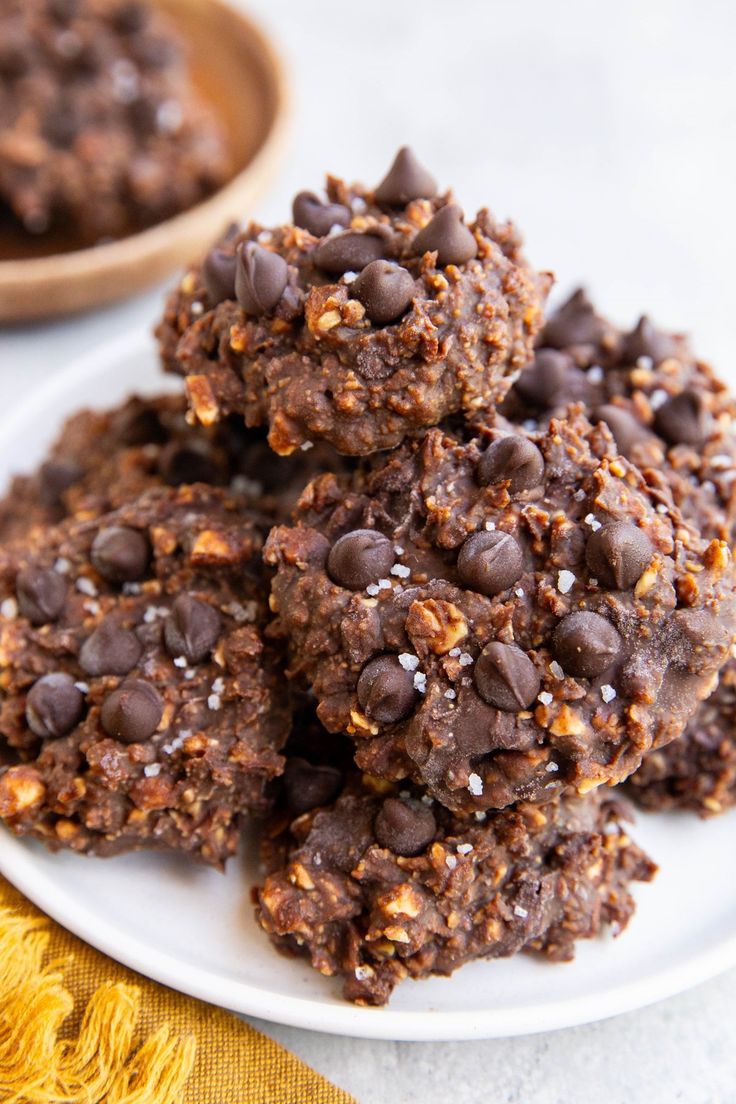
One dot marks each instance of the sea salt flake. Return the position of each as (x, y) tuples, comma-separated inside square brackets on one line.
[(464, 848), (645, 362), (189, 674), (91, 606), (450, 694), (306, 446), (480, 815), (242, 612), (551, 768), (213, 702), (420, 682), (196, 308), (372, 589), (82, 687), (362, 973), (348, 277), (398, 549), (579, 495), (465, 659), (565, 581), (384, 584), (454, 652), (131, 589), (218, 686), (475, 784), (595, 374), (450, 861), (545, 697), (401, 571), (657, 398), (722, 460), (530, 425), (661, 508), (522, 912), (152, 769), (555, 670), (519, 592), (9, 609), (62, 566), (592, 521), (408, 661), (607, 693), (86, 586), (180, 661), (490, 526), (359, 205), (169, 117)]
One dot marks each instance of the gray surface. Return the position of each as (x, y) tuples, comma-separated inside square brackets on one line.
[(608, 133)]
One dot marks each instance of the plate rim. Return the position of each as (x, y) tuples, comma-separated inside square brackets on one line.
[(339, 1018)]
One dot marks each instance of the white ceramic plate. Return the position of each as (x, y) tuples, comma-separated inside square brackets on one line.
[(193, 929)]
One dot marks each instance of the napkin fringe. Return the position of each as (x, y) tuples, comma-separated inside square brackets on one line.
[(103, 1064)]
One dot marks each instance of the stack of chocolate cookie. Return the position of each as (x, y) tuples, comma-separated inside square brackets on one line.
[(410, 571)]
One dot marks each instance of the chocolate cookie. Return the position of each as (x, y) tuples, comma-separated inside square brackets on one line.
[(105, 459), (101, 131), (505, 619), (385, 884), (139, 705), (373, 315)]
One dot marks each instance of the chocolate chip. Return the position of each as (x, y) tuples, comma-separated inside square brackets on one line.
[(140, 426), (41, 594), (407, 179), (490, 562), (385, 690), (505, 677), (513, 459), (359, 558), (120, 554), (110, 650), (307, 786), (585, 644), (218, 275), (53, 706), (348, 252), (683, 419), (405, 827), (260, 278), (132, 712), (188, 463), (575, 323), (544, 382), (617, 553), (317, 217), (448, 236), (385, 289), (191, 629), (129, 17), (627, 431), (645, 340), (57, 476)]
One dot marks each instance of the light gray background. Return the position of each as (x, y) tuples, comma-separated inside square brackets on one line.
[(607, 132)]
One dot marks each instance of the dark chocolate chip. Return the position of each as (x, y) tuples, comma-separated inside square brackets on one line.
[(448, 236), (386, 691), (513, 459), (191, 629), (544, 382), (140, 426), (617, 553), (505, 677), (317, 217), (404, 826), (348, 252), (132, 712), (490, 562), (585, 644), (407, 179), (260, 278), (110, 650), (188, 463), (307, 786), (53, 706), (683, 419), (120, 554), (627, 431), (57, 476), (385, 289), (575, 323), (41, 594), (218, 275), (359, 558), (645, 340)]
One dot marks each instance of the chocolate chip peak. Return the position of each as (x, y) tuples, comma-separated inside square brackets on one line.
[(360, 558), (120, 554), (627, 431), (683, 419), (585, 644), (260, 278), (447, 236), (218, 275), (110, 650), (512, 459), (132, 712), (348, 252), (318, 218), (405, 827), (307, 786), (191, 629), (407, 179), (544, 382), (385, 289), (617, 553), (53, 706), (505, 677), (386, 690), (490, 562), (41, 594), (645, 340), (575, 323)]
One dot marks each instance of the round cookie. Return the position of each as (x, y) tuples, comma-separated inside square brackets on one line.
[(510, 645), (384, 884), (139, 704), (101, 131), (373, 315)]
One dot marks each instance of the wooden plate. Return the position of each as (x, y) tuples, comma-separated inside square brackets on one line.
[(236, 69)]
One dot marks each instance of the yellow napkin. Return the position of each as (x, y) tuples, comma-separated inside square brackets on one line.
[(77, 1028)]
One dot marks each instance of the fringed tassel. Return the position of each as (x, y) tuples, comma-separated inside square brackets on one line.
[(102, 1065)]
